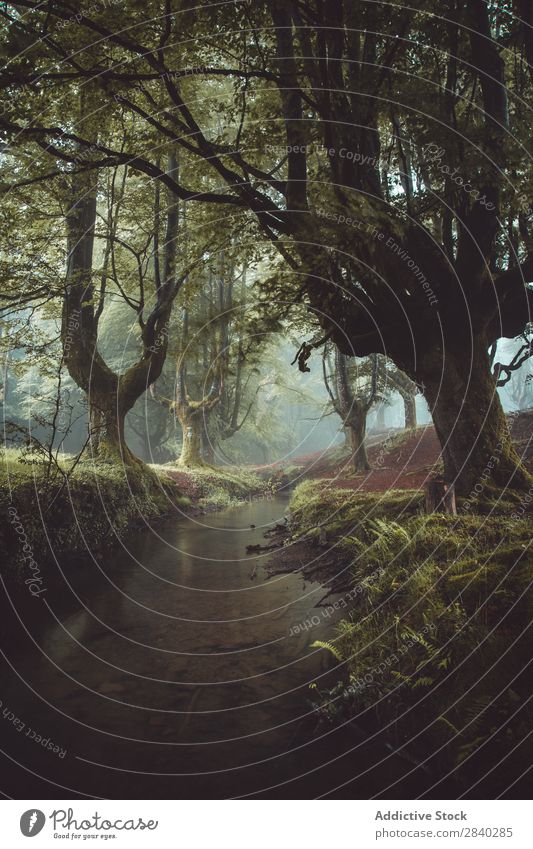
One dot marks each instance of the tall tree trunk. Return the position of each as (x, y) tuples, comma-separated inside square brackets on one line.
[(110, 445), (352, 410), (110, 396), (357, 430), (409, 406), (80, 328), (471, 425), (194, 415), (208, 448), (191, 445)]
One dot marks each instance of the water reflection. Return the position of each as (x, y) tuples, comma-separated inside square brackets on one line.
[(174, 674)]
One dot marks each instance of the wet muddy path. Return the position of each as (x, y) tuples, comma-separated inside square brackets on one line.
[(170, 669)]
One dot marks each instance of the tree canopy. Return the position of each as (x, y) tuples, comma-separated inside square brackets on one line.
[(378, 154)]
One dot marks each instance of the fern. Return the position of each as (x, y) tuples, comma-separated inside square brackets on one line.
[(423, 681), (323, 644), (475, 711), (468, 748), (448, 724)]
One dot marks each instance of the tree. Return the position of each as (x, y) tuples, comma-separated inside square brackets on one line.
[(111, 395), (193, 414), (407, 389), (352, 400), (395, 241)]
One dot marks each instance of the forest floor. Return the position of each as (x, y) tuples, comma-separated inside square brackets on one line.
[(399, 459), (428, 601), (393, 491), (209, 488), (46, 514)]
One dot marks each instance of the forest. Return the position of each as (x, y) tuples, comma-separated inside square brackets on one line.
[(266, 389)]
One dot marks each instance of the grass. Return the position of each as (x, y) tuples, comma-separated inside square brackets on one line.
[(210, 486), (436, 646), (96, 503), (100, 500), (342, 510)]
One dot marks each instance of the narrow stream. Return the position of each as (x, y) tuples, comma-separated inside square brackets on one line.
[(173, 673)]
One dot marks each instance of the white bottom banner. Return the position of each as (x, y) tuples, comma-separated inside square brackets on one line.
[(262, 824)]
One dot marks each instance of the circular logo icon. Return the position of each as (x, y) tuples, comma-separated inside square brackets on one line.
[(32, 822)]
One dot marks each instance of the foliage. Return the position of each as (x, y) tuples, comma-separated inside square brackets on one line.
[(436, 648), (211, 487)]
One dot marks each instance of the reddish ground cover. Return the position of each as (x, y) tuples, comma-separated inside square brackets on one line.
[(400, 460)]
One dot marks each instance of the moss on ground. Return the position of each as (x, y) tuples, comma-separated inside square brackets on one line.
[(100, 502), (226, 488), (315, 503), (437, 644), (215, 487), (55, 515)]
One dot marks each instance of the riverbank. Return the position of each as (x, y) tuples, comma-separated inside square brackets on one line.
[(176, 661), (399, 459), (208, 488), (46, 515), (434, 645)]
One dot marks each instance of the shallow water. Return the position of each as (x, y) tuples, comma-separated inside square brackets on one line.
[(168, 669)]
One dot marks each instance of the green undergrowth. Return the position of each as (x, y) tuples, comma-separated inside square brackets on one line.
[(437, 642), (226, 487), (215, 487), (315, 504), (53, 513), (86, 510)]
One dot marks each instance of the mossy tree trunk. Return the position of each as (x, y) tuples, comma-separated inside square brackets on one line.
[(194, 415), (196, 448), (407, 389), (353, 410), (476, 444), (107, 436), (110, 396), (191, 445), (357, 432), (409, 407)]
